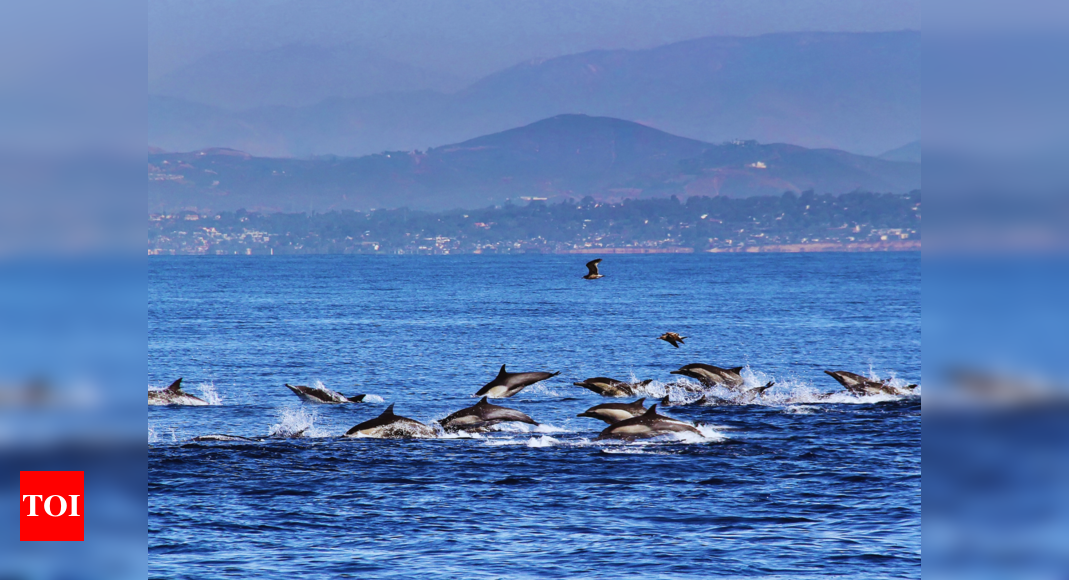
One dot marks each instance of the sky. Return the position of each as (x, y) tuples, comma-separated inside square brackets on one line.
[(472, 38)]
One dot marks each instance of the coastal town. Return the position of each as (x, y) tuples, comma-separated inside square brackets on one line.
[(788, 223)]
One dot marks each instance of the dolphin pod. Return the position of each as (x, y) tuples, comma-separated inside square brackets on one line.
[(507, 384), (648, 424), (174, 395), (626, 421)]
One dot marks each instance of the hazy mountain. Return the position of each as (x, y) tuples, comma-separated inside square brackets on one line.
[(294, 75), (857, 92), (563, 156), (910, 152)]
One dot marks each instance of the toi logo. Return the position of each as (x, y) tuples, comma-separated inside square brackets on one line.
[(50, 506)]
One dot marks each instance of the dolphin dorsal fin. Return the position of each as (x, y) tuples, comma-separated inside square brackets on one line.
[(736, 370), (652, 410), (483, 401), (502, 371), (175, 386), (389, 411), (641, 402)]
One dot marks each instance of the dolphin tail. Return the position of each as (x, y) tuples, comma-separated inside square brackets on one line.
[(554, 374), (175, 386)]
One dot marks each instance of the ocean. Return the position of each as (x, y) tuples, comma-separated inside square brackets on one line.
[(806, 481)]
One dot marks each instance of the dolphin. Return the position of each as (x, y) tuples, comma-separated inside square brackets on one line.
[(861, 386), (390, 426), (615, 412), (649, 424), (607, 387), (703, 400), (174, 395), (709, 375), (322, 395), (481, 416), (224, 437), (506, 384)]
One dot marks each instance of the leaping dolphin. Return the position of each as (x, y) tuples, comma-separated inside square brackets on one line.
[(592, 270), (862, 386), (615, 412), (507, 384), (481, 416), (607, 387), (709, 375), (174, 395), (322, 395), (649, 424), (390, 426)]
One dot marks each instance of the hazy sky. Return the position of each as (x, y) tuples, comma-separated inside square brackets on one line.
[(471, 38)]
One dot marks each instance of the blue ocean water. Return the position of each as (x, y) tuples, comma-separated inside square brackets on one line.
[(791, 486)]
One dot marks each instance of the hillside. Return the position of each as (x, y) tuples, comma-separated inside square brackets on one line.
[(556, 158), (855, 92)]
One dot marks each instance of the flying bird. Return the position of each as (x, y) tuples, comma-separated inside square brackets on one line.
[(672, 339), (593, 267)]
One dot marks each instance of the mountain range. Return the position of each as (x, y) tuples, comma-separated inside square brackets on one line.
[(565, 156), (858, 92)]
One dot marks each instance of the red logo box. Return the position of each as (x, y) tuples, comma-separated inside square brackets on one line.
[(51, 505)]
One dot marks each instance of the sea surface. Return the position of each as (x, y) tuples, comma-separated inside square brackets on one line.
[(793, 484)]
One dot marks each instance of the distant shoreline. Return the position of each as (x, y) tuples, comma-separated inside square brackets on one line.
[(888, 246)]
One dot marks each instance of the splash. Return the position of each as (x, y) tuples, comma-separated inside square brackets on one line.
[(295, 422), (543, 389), (209, 394), (152, 437), (543, 441), (374, 399)]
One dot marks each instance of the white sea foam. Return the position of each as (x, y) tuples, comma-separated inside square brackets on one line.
[(516, 427), (152, 438), (374, 399), (543, 441)]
